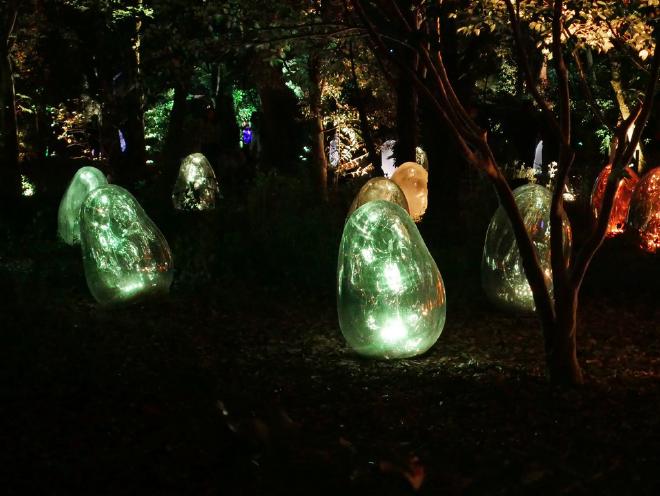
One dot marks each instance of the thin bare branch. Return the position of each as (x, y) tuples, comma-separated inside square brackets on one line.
[(589, 96), (523, 60)]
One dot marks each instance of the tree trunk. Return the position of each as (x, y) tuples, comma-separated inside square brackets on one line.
[(365, 128), (133, 166), (624, 110), (9, 173), (406, 120), (278, 124), (319, 158), (560, 344), (173, 149)]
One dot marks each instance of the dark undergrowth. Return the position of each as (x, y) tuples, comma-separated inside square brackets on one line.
[(240, 382)]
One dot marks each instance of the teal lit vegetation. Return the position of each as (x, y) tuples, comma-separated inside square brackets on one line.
[(390, 295), (156, 120), (125, 255), (85, 180), (502, 274), (245, 105)]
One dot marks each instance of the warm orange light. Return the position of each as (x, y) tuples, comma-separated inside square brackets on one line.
[(644, 217), (622, 198)]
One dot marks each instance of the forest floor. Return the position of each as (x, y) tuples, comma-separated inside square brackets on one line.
[(240, 387)]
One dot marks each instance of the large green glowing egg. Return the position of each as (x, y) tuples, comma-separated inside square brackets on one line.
[(196, 187), (379, 188), (126, 257), (390, 295), (68, 216), (502, 274)]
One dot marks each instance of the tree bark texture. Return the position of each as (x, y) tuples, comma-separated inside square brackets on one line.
[(9, 172), (319, 159)]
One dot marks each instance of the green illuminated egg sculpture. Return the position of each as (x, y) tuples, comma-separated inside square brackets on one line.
[(126, 257), (196, 187), (68, 215), (390, 295), (379, 188), (502, 274)]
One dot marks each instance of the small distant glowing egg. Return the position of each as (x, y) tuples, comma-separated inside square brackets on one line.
[(413, 179), (85, 180), (379, 188), (196, 188), (502, 274), (390, 295), (126, 257), (421, 158), (644, 215), (624, 192), (387, 160)]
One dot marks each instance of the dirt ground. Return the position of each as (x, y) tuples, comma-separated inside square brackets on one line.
[(240, 387)]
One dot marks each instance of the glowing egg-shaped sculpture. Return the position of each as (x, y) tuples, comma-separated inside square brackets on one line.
[(379, 188), (390, 295), (126, 257), (621, 203), (85, 180), (196, 188), (644, 214), (413, 179), (421, 158), (502, 274)]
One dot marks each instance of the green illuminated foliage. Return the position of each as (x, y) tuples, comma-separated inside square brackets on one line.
[(390, 295), (84, 181), (126, 257), (196, 188), (502, 273)]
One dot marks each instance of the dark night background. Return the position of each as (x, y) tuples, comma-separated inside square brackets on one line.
[(239, 381)]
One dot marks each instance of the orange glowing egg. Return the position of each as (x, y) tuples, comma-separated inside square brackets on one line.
[(644, 215), (624, 192)]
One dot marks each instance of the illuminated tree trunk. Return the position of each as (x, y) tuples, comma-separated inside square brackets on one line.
[(9, 173), (365, 128), (134, 165), (617, 86), (319, 158)]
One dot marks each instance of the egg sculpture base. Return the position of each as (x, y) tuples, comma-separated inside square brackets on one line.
[(126, 257), (390, 295), (644, 215), (196, 187), (502, 274), (85, 180)]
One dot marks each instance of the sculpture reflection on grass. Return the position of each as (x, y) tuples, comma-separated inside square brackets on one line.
[(413, 180), (196, 187), (390, 295), (619, 214), (379, 188), (502, 273), (85, 180), (644, 215), (125, 255)]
